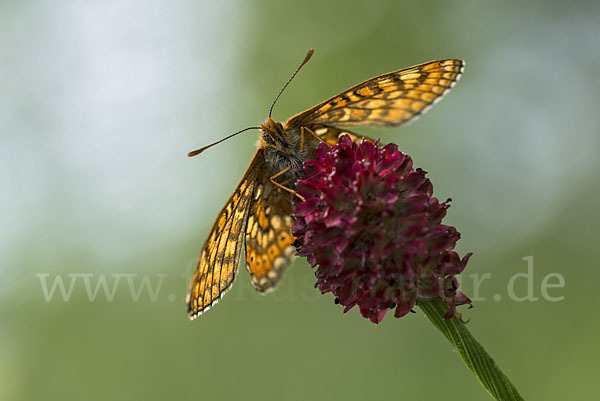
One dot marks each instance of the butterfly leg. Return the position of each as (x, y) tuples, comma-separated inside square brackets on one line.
[(280, 186), (311, 133)]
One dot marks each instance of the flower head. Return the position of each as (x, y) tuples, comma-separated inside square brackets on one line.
[(371, 225)]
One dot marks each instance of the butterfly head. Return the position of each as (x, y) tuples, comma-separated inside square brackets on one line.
[(273, 132)]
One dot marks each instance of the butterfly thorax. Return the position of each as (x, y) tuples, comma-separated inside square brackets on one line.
[(285, 149)]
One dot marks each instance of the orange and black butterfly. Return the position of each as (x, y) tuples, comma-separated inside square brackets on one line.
[(257, 215)]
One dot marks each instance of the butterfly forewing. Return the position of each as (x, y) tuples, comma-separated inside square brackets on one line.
[(268, 235), (389, 99), (219, 259)]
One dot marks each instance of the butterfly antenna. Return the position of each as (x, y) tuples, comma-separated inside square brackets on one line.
[(198, 151), (308, 56)]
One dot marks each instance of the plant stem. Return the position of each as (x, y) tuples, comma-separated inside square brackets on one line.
[(476, 358)]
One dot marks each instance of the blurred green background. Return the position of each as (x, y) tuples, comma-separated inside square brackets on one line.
[(101, 101)]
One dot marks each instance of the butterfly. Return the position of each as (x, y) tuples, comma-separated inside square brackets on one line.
[(257, 216)]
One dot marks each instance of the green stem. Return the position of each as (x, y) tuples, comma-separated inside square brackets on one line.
[(477, 359)]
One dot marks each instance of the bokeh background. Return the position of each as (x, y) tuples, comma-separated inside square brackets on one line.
[(101, 101)]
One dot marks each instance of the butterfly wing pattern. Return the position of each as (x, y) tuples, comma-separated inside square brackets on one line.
[(269, 237), (220, 256), (331, 135), (389, 99), (259, 213)]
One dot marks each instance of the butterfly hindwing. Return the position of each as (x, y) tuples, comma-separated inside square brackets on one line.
[(331, 135), (220, 256), (269, 237), (389, 99)]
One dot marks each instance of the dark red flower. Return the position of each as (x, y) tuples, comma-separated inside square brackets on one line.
[(371, 225)]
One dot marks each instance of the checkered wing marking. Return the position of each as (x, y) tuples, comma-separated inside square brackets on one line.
[(331, 135), (389, 99), (220, 256), (269, 239)]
